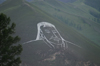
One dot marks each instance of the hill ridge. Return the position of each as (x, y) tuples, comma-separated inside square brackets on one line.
[(27, 4)]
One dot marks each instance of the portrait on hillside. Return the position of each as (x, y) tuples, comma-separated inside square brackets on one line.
[(50, 35)]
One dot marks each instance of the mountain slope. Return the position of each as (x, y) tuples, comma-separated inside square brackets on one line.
[(77, 15), (26, 16), (93, 3)]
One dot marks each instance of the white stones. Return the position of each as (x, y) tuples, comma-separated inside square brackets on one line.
[(50, 35)]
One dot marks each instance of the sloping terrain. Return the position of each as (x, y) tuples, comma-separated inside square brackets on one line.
[(77, 15), (26, 16), (95, 4)]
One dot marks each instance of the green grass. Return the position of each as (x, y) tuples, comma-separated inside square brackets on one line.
[(26, 18), (76, 13)]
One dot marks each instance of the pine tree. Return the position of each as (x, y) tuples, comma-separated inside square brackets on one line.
[(9, 48)]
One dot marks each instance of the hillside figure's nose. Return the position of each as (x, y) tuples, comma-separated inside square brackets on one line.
[(53, 36)]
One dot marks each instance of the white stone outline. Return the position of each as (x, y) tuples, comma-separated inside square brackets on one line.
[(41, 36)]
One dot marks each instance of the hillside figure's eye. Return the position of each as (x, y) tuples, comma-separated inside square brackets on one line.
[(47, 31)]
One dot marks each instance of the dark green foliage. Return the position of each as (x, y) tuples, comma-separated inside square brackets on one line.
[(69, 22), (57, 9), (95, 14), (9, 50), (96, 20)]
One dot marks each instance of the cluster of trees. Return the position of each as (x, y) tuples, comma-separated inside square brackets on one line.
[(69, 22), (96, 15), (96, 20), (9, 49), (95, 4), (57, 9)]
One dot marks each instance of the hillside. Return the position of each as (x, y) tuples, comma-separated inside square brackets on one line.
[(26, 16), (93, 3), (77, 15)]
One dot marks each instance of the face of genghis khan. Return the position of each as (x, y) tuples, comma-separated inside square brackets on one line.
[(51, 35)]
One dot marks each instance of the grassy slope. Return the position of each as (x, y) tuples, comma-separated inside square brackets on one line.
[(26, 18), (74, 14), (95, 4), (92, 31)]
